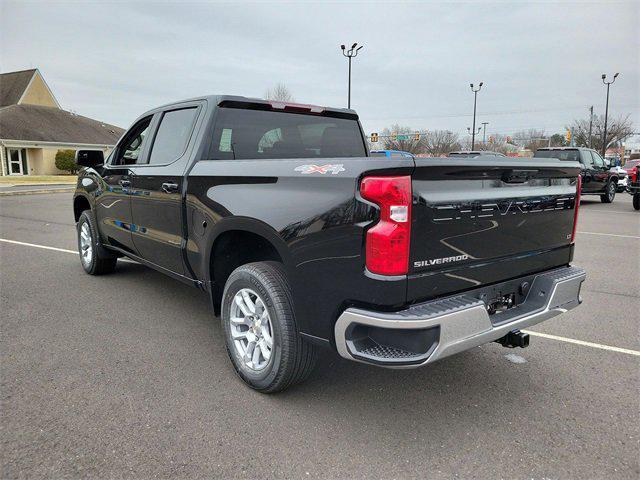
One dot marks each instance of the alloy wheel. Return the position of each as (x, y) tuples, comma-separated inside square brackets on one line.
[(86, 247), (251, 329)]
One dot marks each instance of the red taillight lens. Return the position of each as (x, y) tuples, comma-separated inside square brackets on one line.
[(387, 244), (576, 208)]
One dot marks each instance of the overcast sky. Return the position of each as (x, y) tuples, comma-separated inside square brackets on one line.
[(541, 63)]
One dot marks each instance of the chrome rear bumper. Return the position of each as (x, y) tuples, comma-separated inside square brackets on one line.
[(451, 325)]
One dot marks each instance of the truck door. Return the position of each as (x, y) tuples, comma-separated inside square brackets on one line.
[(113, 205), (589, 183), (600, 172), (156, 197)]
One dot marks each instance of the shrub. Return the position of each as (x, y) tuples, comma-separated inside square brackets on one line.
[(66, 160)]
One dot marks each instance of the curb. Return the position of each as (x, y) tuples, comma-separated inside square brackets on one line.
[(35, 192)]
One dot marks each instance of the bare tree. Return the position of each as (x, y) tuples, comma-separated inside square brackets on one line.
[(279, 93), (496, 142), (531, 139), (618, 130), (440, 142), (410, 145)]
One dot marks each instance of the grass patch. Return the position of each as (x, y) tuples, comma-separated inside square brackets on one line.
[(38, 179)]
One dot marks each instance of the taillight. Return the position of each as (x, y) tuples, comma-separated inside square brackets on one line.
[(387, 243), (576, 208)]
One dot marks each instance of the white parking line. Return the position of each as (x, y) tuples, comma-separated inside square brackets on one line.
[(55, 249), (45, 247), (609, 234), (535, 334), (583, 343)]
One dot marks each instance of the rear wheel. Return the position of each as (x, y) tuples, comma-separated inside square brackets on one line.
[(94, 258), (610, 193), (261, 334), (636, 201)]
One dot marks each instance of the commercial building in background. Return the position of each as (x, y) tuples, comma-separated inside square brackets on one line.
[(33, 126)]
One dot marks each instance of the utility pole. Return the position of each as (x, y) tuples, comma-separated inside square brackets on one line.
[(590, 123), (352, 52), (484, 132), (475, 101), (606, 112)]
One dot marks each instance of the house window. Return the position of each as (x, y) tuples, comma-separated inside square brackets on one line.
[(17, 161)]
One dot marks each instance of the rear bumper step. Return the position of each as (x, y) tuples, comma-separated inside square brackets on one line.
[(437, 329)]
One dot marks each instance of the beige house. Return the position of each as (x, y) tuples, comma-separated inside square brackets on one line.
[(33, 126)]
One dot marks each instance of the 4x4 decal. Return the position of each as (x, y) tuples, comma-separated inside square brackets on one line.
[(322, 169)]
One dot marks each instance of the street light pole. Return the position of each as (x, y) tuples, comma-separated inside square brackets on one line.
[(475, 100), (473, 133), (352, 52), (606, 112), (484, 132)]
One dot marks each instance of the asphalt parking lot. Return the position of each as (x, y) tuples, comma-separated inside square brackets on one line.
[(127, 376)]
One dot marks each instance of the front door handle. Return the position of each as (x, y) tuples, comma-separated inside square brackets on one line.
[(170, 187), (125, 183)]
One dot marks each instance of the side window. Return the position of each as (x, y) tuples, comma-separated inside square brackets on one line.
[(173, 135), (587, 159), (130, 149), (597, 160)]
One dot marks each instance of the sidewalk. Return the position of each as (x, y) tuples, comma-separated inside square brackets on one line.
[(33, 189)]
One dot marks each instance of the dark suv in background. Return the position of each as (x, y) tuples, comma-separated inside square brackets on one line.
[(597, 178)]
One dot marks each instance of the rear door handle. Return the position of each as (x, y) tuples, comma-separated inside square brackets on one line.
[(170, 187), (125, 183)]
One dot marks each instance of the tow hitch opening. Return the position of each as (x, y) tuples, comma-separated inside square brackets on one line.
[(514, 339)]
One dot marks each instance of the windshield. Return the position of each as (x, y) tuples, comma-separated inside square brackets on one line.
[(572, 155), (253, 134)]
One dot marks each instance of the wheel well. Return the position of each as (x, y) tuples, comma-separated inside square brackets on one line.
[(80, 204), (231, 250)]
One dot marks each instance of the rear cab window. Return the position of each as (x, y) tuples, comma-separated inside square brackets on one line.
[(244, 134), (569, 155)]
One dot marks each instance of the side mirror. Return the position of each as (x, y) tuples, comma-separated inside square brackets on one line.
[(89, 158)]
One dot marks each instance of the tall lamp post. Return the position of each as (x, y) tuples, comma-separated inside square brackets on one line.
[(606, 112), (352, 52), (475, 101), (473, 133), (484, 132)]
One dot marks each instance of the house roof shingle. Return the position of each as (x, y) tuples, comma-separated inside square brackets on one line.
[(49, 124), (13, 85)]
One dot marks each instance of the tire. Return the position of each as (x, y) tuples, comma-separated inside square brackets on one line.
[(93, 257), (610, 193), (636, 201), (289, 359)]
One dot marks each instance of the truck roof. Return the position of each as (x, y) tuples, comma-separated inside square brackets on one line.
[(271, 104), (564, 148)]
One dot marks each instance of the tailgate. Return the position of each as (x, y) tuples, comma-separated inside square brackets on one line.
[(481, 221)]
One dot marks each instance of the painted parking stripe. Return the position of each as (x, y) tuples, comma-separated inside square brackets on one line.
[(55, 249), (535, 334), (44, 247), (609, 234), (583, 343)]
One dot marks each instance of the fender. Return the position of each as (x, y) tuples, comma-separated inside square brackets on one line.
[(244, 224)]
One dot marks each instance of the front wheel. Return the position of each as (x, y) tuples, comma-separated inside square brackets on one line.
[(610, 193), (261, 334), (93, 257), (636, 201)]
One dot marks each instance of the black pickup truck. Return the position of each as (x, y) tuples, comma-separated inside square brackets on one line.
[(303, 240), (595, 172)]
